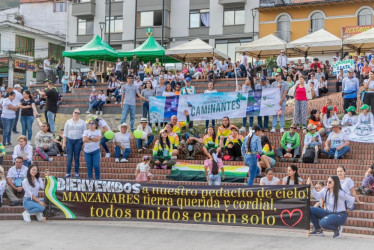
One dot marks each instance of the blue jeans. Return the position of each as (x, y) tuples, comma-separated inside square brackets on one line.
[(323, 218), (73, 148), (16, 121), (93, 162), (7, 129), (215, 179), (51, 121), (125, 111), (59, 75), (92, 105), (118, 151), (103, 142), (341, 152), (251, 161), (26, 122), (93, 81), (250, 121), (119, 75), (26, 163), (281, 119), (118, 98), (32, 206), (99, 105), (141, 75), (149, 141), (207, 123), (266, 122), (146, 111), (64, 88)]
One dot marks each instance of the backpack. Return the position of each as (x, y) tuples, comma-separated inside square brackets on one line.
[(308, 156)]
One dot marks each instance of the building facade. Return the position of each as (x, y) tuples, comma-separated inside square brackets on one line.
[(292, 19), (224, 24)]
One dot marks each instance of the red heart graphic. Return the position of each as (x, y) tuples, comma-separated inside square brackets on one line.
[(290, 214)]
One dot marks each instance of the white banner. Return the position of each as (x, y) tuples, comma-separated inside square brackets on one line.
[(345, 65), (360, 133)]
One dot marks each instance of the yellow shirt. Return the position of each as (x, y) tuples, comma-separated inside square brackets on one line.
[(225, 132), (159, 151), (178, 127), (148, 70), (238, 139), (174, 139), (209, 143)]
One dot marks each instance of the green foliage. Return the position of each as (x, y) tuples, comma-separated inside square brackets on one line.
[(271, 63)]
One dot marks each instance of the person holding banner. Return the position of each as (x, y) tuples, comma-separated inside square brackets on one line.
[(188, 89), (269, 178), (208, 91), (91, 139), (365, 117), (335, 214), (263, 85), (369, 91), (279, 83), (251, 149), (350, 88)]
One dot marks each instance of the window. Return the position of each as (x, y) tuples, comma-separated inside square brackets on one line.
[(59, 7), (233, 17), (152, 18), (365, 17), (25, 45), (228, 46), (84, 1), (116, 23), (199, 18), (85, 27), (317, 21), (283, 28), (55, 50)]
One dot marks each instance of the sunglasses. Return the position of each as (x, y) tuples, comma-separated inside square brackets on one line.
[(292, 127), (92, 123), (78, 113)]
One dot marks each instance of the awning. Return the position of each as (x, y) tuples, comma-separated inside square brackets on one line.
[(96, 49), (362, 41), (194, 50), (265, 47), (319, 42)]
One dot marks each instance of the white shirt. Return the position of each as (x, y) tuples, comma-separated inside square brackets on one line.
[(349, 119), (18, 97), (168, 94), (74, 130), (267, 182), (292, 182), (337, 139), (123, 139), (91, 146), (154, 83), (147, 129), (7, 113), (30, 190), (2, 187), (17, 175), (347, 184), (143, 167), (365, 119), (102, 97), (327, 121), (102, 124), (46, 65), (118, 66), (282, 61), (243, 60), (329, 199), (27, 151), (138, 84), (371, 85)]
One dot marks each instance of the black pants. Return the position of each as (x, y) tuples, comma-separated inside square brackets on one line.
[(369, 100), (349, 102), (281, 151), (235, 151), (124, 75), (323, 90), (338, 84), (108, 91)]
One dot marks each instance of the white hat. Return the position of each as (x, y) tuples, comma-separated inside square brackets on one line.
[(17, 86), (122, 125)]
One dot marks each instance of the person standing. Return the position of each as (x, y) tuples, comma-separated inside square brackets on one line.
[(47, 68), (134, 64), (251, 147), (51, 105), (283, 86), (125, 69), (128, 101), (17, 90), (59, 67), (369, 94), (146, 93), (91, 139), (350, 86), (73, 131), (119, 69), (28, 111), (282, 60), (208, 91), (7, 117), (263, 85)]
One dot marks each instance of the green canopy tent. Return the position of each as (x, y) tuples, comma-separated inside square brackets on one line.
[(96, 49), (148, 51)]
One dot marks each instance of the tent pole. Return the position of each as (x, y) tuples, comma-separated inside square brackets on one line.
[(110, 13), (136, 15), (236, 77), (162, 23)]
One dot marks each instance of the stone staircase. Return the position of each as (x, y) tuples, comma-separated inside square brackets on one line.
[(360, 220)]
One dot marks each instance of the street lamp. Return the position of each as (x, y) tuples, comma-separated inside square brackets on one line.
[(102, 26), (254, 14)]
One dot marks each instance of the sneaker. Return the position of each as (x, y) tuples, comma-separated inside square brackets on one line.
[(101, 112), (272, 131), (88, 112), (50, 159), (318, 232), (107, 155), (67, 176), (76, 175), (293, 159), (65, 155), (116, 103), (315, 161), (39, 216), (360, 190), (338, 233), (116, 160), (144, 147), (97, 112), (140, 151), (124, 160), (242, 129), (14, 203), (282, 130), (58, 155), (16, 132), (26, 216)]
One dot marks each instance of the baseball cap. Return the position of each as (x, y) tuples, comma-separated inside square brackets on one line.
[(351, 109), (365, 106), (263, 79), (188, 79), (350, 70), (330, 107), (335, 124), (17, 86)]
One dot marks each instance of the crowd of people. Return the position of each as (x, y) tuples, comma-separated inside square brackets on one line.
[(298, 82)]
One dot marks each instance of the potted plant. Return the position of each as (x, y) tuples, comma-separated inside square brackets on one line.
[(270, 64)]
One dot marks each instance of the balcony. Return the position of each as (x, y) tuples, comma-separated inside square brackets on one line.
[(84, 10), (117, 9), (232, 3), (157, 33), (199, 32), (284, 35)]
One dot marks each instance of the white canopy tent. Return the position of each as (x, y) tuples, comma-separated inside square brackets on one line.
[(319, 42), (194, 50), (362, 41), (269, 45)]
